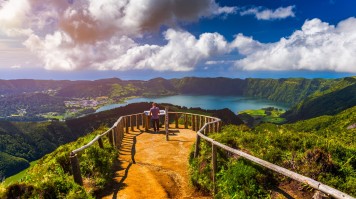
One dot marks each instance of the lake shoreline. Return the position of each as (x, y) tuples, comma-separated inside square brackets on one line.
[(234, 103)]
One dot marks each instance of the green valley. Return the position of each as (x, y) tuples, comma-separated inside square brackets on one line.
[(316, 137), (67, 99)]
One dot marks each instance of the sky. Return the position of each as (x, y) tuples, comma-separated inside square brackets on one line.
[(144, 39)]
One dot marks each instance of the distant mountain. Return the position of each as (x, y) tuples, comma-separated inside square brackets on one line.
[(209, 86), (17, 94), (11, 87)]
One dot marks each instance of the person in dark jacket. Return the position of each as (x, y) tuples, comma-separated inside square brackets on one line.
[(154, 113)]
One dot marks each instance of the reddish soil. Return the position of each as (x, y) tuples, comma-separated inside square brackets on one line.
[(152, 167)]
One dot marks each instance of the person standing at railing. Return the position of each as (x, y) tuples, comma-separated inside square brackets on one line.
[(154, 113)]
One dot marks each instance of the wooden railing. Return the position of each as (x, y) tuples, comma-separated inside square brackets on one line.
[(300, 178), (203, 125), (115, 135), (140, 121)]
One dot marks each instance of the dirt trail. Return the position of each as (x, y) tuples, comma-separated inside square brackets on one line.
[(152, 167)]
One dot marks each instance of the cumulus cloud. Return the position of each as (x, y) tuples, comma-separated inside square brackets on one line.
[(317, 46), (91, 34), (78, 34), (12, 17), (268, 14), (181, 53)]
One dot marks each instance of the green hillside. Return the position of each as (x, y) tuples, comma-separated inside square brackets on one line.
[(10, 165), (51, 176), (322, 148), (22, 142), (290, 90), (328, 101), (20, 102)]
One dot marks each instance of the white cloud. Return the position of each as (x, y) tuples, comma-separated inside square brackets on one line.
[(317, 46), (182, 52), (91, 34), (12, 17), (224, 10), (79, 34), (268, 14)]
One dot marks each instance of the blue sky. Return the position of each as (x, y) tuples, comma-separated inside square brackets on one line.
[(143, 39)]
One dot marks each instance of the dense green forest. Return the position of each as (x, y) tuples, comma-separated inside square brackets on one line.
[(328, 101), (33, 103)]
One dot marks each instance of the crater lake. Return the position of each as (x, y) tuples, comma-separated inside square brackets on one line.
[(211, 102)]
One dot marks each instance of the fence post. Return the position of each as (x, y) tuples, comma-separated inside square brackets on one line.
[(193, 123), (119, 133), (166, 123), (197, 146), (76, 169), (197, 123), (201, 122), (205, 129), (110, 134), (115, 138), (214, 124), (185, 121), (142, 120), (131, 123), (176, 119), (147, 126), (214, 166), (137, 123), (100, 141), (126, 124)]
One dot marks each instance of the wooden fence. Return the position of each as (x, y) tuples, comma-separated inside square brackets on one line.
[(140, 121), (203, 125), (295, 176)]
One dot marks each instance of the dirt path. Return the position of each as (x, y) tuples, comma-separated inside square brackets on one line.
[(153, 167)]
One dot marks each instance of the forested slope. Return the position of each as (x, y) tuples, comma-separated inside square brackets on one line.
[(331, 100)]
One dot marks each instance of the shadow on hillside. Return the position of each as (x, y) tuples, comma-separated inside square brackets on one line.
[(122, 165)]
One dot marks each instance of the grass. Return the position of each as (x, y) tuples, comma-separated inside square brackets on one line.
[(322, 148), (51, 176), (267, 115), (275, 120), (259, 112), (17, 177)]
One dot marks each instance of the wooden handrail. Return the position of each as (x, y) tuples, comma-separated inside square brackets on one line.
[(206, 123), (115, 138), (283, 171)]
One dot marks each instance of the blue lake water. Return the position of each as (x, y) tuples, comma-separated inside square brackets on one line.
[(234, 103)]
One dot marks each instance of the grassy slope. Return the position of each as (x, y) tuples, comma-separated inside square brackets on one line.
[(51, 176), (322, 148)]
